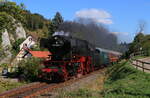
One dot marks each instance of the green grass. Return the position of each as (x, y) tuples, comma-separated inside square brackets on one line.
[(139, 57), (124, 81)]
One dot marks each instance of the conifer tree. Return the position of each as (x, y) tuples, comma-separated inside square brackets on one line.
[(56, 22)]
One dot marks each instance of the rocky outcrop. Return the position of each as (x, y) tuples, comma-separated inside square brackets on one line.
[(5, 39), (6, 57), (20, 32), (8, 38)]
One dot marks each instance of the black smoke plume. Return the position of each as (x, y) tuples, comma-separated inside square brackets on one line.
[(96, 34)]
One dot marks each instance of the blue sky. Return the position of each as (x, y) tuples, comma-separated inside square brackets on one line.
[(123, 16)]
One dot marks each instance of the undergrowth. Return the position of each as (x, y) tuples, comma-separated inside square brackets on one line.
[(7, 85), (125, 81)]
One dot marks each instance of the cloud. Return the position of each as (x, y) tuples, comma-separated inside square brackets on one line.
[(120, 33), (99, 16)]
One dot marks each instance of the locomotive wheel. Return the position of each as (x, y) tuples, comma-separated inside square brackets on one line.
[(84, 72), (64, 79), (80, 74), (55, 77)]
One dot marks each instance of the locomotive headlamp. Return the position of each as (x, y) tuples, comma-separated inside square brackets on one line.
[(55, 37)]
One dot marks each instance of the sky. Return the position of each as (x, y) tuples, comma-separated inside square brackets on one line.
[(122, 17)]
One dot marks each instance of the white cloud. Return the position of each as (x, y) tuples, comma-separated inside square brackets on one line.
[(99, 16), (120, 33)]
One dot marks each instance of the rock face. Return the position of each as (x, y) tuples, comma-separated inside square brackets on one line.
[(5, 39), (20, 32), (8, 38)]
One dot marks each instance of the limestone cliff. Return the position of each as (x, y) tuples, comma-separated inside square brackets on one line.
[(7, 38)]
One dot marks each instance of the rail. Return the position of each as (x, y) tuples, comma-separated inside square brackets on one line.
[(140, 64)]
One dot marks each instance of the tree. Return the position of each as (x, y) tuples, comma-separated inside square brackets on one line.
[(141, 26), (15, 45), (138, 38), (56, 22), (12, 9), (23, 7)]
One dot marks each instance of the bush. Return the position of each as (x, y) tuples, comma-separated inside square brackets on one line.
[(15, 45), (29, 69), (4, 65)]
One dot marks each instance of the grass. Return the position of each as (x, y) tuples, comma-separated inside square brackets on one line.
[(7, 85), (139, 57), (124, 81), (81, 93)]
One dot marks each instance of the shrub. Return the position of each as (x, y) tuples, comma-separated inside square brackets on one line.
[(29, 69), (4, 65), (15, 45)]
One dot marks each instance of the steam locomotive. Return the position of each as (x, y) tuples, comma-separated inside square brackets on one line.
[(73, 57)]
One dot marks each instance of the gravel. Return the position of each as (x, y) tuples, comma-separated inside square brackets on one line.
[(80, 83)]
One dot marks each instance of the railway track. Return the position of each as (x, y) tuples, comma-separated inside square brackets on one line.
[(20, 90), (34, 89)]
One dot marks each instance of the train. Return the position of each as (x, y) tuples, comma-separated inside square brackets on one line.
[(73, 57)]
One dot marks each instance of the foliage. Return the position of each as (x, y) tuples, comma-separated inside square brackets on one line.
[(56, 22), (137, 43), (4, 20), (126, 82), (33, 22), (13, 10), (123, 47), (81, 93), (4, 65), (2, 53), (7, 85), (15, 45), (29, 69), (140, 43), (0, 38)]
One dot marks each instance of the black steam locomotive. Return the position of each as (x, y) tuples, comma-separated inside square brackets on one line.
[(71, 57)]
